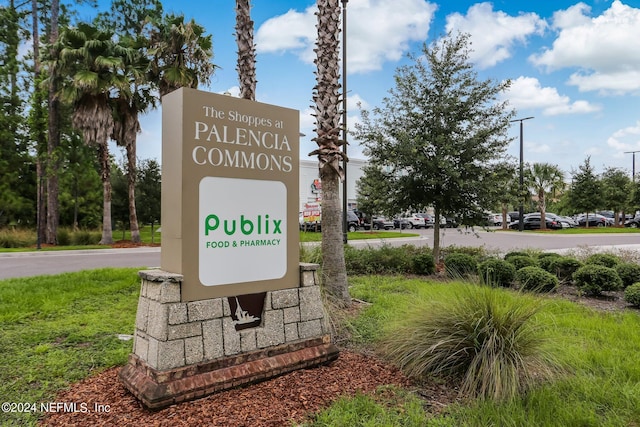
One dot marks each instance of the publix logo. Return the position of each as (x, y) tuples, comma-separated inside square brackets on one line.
[(262, 224)]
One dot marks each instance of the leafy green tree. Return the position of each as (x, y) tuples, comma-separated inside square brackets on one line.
[(81, 189), (442, 130), (148, 194), (615, 183), (586, 189), (120, 198), (16, 204), (376, 192), (544, 180)]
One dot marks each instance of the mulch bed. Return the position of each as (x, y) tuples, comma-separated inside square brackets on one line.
[(277, 402)]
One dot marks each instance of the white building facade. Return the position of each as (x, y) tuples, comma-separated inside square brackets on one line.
[(311, 188)]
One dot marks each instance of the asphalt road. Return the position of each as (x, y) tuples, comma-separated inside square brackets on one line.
[(26, 264)]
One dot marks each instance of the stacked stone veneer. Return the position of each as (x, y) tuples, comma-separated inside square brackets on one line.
[(186, 350)]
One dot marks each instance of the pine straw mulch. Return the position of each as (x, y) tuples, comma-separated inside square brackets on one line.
[(281, 401)]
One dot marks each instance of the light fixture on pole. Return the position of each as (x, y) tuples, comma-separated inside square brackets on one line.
[(521, 186), (633, 164), (345, 225)]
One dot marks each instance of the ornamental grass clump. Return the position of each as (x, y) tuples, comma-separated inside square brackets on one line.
[(485, 337)]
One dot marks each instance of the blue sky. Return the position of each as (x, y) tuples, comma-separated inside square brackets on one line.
[(574, 66)]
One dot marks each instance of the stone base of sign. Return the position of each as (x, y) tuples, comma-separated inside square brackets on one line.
[(187, 350)]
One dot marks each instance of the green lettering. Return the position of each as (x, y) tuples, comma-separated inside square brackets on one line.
[(207, 224)]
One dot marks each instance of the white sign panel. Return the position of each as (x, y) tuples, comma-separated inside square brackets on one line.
[(243, 234)]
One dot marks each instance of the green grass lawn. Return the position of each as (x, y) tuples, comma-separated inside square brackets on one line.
[(55, 330), (601, 386)]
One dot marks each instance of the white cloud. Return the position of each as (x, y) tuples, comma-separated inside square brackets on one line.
[(604, 49), (625, 139), (377, 31), (493, 34), (527, 93)]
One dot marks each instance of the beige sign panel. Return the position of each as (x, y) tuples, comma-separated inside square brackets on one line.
[(229, 194)]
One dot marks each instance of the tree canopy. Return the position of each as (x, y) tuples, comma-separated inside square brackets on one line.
[(442, 132)]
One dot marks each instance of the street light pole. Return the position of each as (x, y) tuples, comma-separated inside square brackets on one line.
[(345, 225), (633, 164), (521, 187)]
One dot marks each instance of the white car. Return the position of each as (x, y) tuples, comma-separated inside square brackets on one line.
[(415, 221)]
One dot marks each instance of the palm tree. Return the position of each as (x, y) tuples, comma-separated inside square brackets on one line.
[(180, 54), (94, 64), (126, 108), (246, 50), (327, 98), (545, 179)]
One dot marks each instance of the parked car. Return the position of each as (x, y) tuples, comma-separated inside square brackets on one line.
[(415, 221), (633, 222), (513, 216), (379, 223), (532, 222), (495, 219), (429, 220), (566, 222), (595, 220), (401, 223), (449, 222), (353, 222)]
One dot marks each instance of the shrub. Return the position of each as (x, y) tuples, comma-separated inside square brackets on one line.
[(593, 279), (515, 253), (520, 261), (496, 272), (476, 252), (546, 259), (481, 335), (459, 264), (606, 260), (10, 238), (423, 263), (632, 294), (389, 260), (564, 267), (64, 237), (629, 272), (536, 279), (83, 237)]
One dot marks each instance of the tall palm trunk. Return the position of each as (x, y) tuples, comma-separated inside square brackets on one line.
[(125, 131), (327, 100), (246, 50), (105, 175)]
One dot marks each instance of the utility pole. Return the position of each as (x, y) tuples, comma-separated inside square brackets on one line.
[(633, 164), (521, 187)]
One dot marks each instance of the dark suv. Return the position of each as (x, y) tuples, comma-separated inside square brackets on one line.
[(353, 222)]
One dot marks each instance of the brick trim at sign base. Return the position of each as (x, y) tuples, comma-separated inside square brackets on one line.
[(187, 350), (160, 389)]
